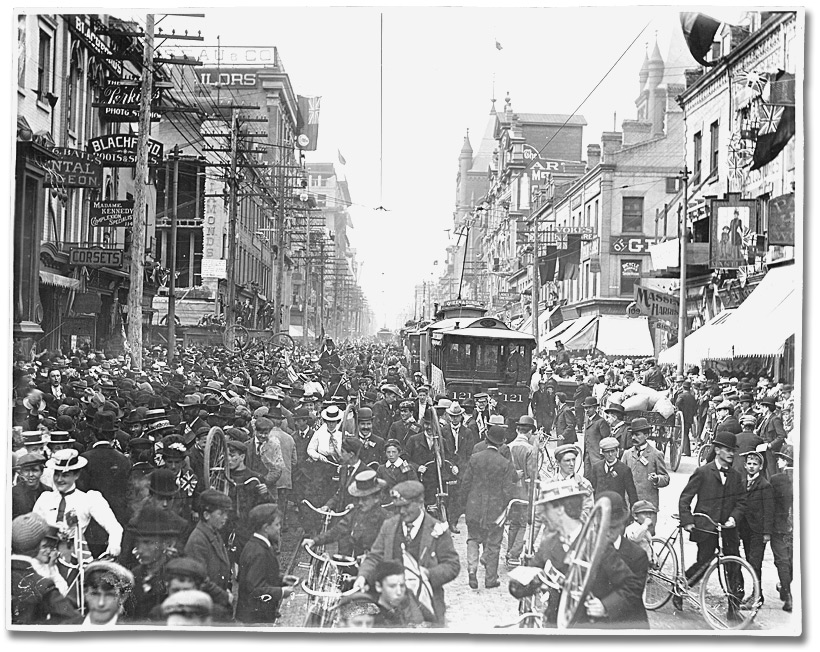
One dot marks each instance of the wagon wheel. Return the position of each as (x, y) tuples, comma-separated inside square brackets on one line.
[(217, 475), (236, 338), (583, 558), (282, 341), (676, 435)]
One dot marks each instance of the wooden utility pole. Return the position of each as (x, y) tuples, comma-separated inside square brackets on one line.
[(682, 298), (172, 258), (280, 251), (230, 315), (136, 272), (536, 283)]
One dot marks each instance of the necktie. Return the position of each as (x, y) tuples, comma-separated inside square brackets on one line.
[(61, 509), (724, 470), (407, 531)]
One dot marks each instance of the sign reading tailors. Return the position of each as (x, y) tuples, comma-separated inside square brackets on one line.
[(653, 303), (117, 212), (120, 150), (214, 268), (74, 168), (96, 257)]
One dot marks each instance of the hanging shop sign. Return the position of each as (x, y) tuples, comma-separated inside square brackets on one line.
[(628, 244), (73, 168), (733, 233), (653, 303), (96, 257), (121, 103), (214, 268), (85, 31), (120, 150), (115, 212), (781, 220)]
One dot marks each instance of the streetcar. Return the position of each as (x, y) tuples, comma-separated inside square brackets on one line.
[(470, 353)]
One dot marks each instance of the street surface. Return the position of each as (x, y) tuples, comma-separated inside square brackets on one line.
[(483, 610)]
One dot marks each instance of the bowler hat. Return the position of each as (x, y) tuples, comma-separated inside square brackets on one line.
[(154, 521), (105, 421), (639, 424), (526, 421), (768, 400), (366, 483), (590, 401), (365, 414), (725, 439), (406, 492), (614, 407), (163, 482), (618, 511), (496, 435)]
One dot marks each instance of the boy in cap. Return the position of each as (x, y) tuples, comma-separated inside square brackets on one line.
[(246, 491), (106, 588), (421, 542), (35, 600), (27, 489), (610, 474), (398, 607), (206, 542), (356, 611), (261, 586), (782, 537), (395, 469), (642, 528), (188, 609), (755, 526)]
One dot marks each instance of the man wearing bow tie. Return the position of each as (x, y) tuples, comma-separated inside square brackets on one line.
[(721, 493), (610, 474)]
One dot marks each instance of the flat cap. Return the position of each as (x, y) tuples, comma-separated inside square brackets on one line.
[(406, 492)]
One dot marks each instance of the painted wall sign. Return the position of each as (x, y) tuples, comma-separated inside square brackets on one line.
[(232, 78), (214, 268), (96, 257), (76, 169), (117, 212), (120, 150), (628, 244)]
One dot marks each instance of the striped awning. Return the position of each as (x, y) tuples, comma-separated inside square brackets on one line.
[(59, 281)]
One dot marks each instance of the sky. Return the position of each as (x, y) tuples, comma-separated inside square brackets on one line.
[(401, 86)]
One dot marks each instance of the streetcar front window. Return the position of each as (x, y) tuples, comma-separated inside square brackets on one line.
[(488, 357)]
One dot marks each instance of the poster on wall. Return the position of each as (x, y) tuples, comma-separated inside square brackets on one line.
[(733, 235)]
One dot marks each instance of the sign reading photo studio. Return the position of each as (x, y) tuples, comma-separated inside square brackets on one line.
[(733, 236)]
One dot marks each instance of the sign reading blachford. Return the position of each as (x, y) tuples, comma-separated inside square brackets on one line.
[(73, 168), (120, 150), (116, 99), (656, 304), (113, 212), (96, 257)]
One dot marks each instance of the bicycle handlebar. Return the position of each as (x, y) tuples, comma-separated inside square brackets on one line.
[(326, 512), (326, 558)]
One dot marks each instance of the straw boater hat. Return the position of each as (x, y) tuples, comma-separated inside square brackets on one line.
[(66, 460), (558, 490), (366, 483), (332, 413)]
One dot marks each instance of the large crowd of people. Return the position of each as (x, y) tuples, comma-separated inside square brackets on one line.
[(160, 495)]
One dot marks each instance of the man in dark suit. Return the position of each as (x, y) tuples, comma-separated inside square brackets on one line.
[(407, 426), (782, 541), (721, 494), (372, 445), (687, 404), (489, 483), (55, 390), (386, 411), (614, 416), (350, 466), (542, 403), (612, 475), (595, 429), (726, 421), (463, 440), (415, 534), (261, 587), (420, 452), (771, 430), (565, 423), (206, 543), (755, 526)]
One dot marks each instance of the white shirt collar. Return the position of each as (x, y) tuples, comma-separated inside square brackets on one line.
[(262, 538), (617, 543), (415, 525)]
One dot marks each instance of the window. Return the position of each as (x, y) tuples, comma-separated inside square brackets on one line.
[(713, 144), (630, 274), (74, 88), (487, 358), (44, 66), (459, 357), (21, 52), (632, 215), (697, 145)]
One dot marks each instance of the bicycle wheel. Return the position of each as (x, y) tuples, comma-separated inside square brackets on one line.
[(722, 593), (217, 475), (703, 453), (283, 341), (584, 558), (663, 569)]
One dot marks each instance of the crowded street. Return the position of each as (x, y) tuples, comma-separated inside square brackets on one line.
[(451, 359)]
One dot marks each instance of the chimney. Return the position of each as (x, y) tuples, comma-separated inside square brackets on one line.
[(593, 156), (611, 142), (636, 131)]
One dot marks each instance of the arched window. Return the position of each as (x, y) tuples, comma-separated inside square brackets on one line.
[(75, 91)]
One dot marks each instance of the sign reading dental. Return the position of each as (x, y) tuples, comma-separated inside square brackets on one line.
[(653, 303), (117, 212), (120, 150), (73, 168)]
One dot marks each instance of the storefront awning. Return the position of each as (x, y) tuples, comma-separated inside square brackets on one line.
[(768, 317), (59, 281), (624, 336), (566, 332), (699, 345)]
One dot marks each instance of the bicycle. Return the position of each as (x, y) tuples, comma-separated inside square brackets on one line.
[(720, 598), (314, 571), (334, 580)]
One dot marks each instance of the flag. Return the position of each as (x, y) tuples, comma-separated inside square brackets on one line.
[(341, 158), (781, 89), (498, 46), (770, 117), (309, 120), (417, 584), (769, 145), (754, 80), (699, 31)]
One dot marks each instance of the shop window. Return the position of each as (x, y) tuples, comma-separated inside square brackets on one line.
[(632, 215), (630, 275)]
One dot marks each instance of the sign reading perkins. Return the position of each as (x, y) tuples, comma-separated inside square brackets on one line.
[(656, 304)]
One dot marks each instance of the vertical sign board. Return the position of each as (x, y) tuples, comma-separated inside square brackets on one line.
[(733, 237), (214, 268), (653, 303), (781, 220)]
